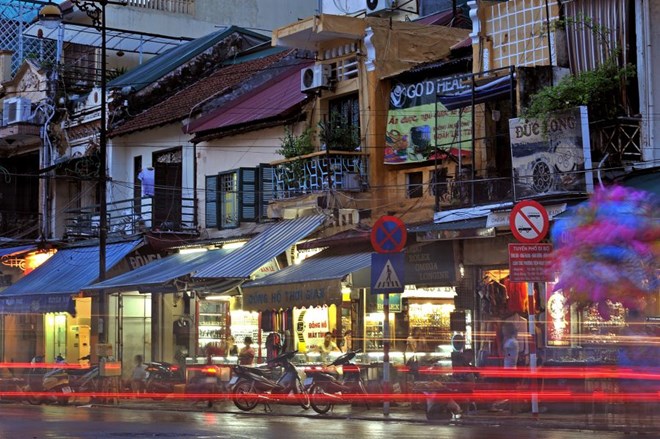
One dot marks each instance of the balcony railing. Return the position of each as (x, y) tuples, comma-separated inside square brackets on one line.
[(456, 193), (620, 138), (344, 171), (175, 6), (130, 217)]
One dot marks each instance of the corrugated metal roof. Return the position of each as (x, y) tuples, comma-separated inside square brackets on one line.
[(242, 262), (160, 272), (277, 97), (14, 250), (69, 270), (161, 65), (316, 268)]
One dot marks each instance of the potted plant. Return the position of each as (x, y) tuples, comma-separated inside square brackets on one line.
[(338, 134)]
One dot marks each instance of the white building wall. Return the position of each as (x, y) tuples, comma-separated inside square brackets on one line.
[(648, 66), (259, 15), (245, 150)]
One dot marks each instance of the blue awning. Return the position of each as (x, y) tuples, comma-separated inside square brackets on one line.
[(316, 281), (244, 261), (51, 286), (8, 251), (160, 274)]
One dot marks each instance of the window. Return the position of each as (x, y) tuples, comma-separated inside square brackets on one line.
[(414, 185), (228, 198), (348, 107), (240, 195)]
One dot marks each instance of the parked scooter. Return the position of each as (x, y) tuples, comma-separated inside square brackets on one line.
[(250, 385), (162, 377), (326, 388), (85, 380), (46, 385), (206, 382)]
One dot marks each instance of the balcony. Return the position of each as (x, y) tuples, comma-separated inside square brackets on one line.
[(460, 193), (345, 171), (620, 138), (133, 216)]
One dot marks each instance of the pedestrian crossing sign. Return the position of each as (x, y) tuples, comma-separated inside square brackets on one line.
[(387, 273)]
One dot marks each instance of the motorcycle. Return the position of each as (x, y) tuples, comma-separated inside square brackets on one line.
[(161, 378), (206, 381), (326, 388), (251, 385), (86, 380), (46, 385)]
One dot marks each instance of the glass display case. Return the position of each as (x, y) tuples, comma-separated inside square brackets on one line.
[(212, 326), (374, 330)]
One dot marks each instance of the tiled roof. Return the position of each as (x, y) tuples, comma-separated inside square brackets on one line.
[(180, 105)]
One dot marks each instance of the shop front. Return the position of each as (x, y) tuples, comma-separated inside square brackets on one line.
[(44, 312)]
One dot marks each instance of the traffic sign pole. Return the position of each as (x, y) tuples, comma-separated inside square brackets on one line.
[(388, 235), (386, 354)]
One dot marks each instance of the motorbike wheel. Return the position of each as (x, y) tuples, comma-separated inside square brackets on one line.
[(244, 396), (62, 397), (318, 400), (31, 398), (305, 400), (363, 390)]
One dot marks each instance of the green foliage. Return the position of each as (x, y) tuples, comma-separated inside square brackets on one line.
[(295, 146), (337, 133), (115, 73), (597, 89)]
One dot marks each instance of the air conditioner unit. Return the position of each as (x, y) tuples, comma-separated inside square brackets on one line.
[(379, 6), (16, 110), (314, 77)]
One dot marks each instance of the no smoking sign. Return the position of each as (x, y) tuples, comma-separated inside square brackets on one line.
[(529, 221)]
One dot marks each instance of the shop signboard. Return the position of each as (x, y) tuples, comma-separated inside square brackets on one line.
[(530, 262), (551, 156), (418, 122), (395, 303), (430, 264), (311, 326)]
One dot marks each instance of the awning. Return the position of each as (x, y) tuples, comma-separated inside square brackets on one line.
[(116, 39), (8, 251), (51, 286), (160, 275), (497, 89), (244, 261), (316, 281)]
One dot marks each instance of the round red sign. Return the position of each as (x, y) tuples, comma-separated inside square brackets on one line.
[(388, 235), (529, 221)]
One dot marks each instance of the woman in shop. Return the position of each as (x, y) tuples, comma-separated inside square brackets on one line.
[(231, 349), (246, 355), (416, 342), (328, 346)]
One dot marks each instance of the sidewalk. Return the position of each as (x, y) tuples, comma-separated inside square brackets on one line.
[(404, 412)]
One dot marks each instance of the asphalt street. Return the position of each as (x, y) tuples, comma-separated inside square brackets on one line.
[(40, 422)]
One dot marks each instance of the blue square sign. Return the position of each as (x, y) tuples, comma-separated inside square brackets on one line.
[(387, 273)]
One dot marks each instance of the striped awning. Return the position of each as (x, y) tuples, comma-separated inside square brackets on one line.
[(244, 261)]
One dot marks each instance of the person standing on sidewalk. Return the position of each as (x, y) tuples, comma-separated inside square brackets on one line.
[(510, 349), (139, 375)]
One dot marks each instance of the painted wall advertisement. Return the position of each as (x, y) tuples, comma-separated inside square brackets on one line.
[(416, 125), (551, 157)]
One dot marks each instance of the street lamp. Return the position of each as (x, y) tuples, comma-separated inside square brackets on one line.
[(51, 16)]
